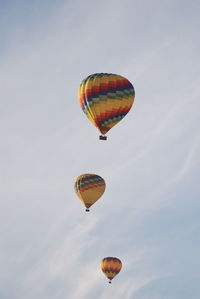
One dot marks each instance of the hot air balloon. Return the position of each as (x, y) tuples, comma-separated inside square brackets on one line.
[(89, 188), (111, 266), (106, 99)]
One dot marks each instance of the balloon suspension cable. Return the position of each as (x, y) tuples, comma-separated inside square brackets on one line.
[(102, 137), (87, 210)]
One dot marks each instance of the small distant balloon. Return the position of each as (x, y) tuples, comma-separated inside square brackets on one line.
[(89, 188), (111, 266), (106, 99)]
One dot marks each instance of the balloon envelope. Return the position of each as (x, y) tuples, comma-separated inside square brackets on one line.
[(111, 266), (89, 188), (106, 99)]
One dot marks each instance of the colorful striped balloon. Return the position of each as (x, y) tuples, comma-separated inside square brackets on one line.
[(89, 188), (106, 99), (111, 266)]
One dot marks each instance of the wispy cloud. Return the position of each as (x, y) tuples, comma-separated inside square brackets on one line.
[(148, 216)]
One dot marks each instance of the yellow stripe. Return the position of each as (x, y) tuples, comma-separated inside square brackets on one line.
[(92, 195)]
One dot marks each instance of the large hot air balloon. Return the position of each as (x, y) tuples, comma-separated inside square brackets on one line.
[(111, 266), (89, 188), (106, 99)]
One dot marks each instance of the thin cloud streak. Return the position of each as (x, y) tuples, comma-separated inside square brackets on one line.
[(148, 215)]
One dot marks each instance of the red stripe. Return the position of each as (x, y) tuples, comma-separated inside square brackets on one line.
[(113, 113), (91, 187)]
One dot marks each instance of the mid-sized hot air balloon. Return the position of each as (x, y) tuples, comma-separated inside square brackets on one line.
[(111, 266), (106, 99), (89, 188)]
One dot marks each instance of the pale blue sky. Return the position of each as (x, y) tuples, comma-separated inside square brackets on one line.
[(149, 214)]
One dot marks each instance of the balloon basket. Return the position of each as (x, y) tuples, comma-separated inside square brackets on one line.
[(102, 137), (87, 210), (110, 281)]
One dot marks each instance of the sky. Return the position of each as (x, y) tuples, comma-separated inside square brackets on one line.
[(149, 214)]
